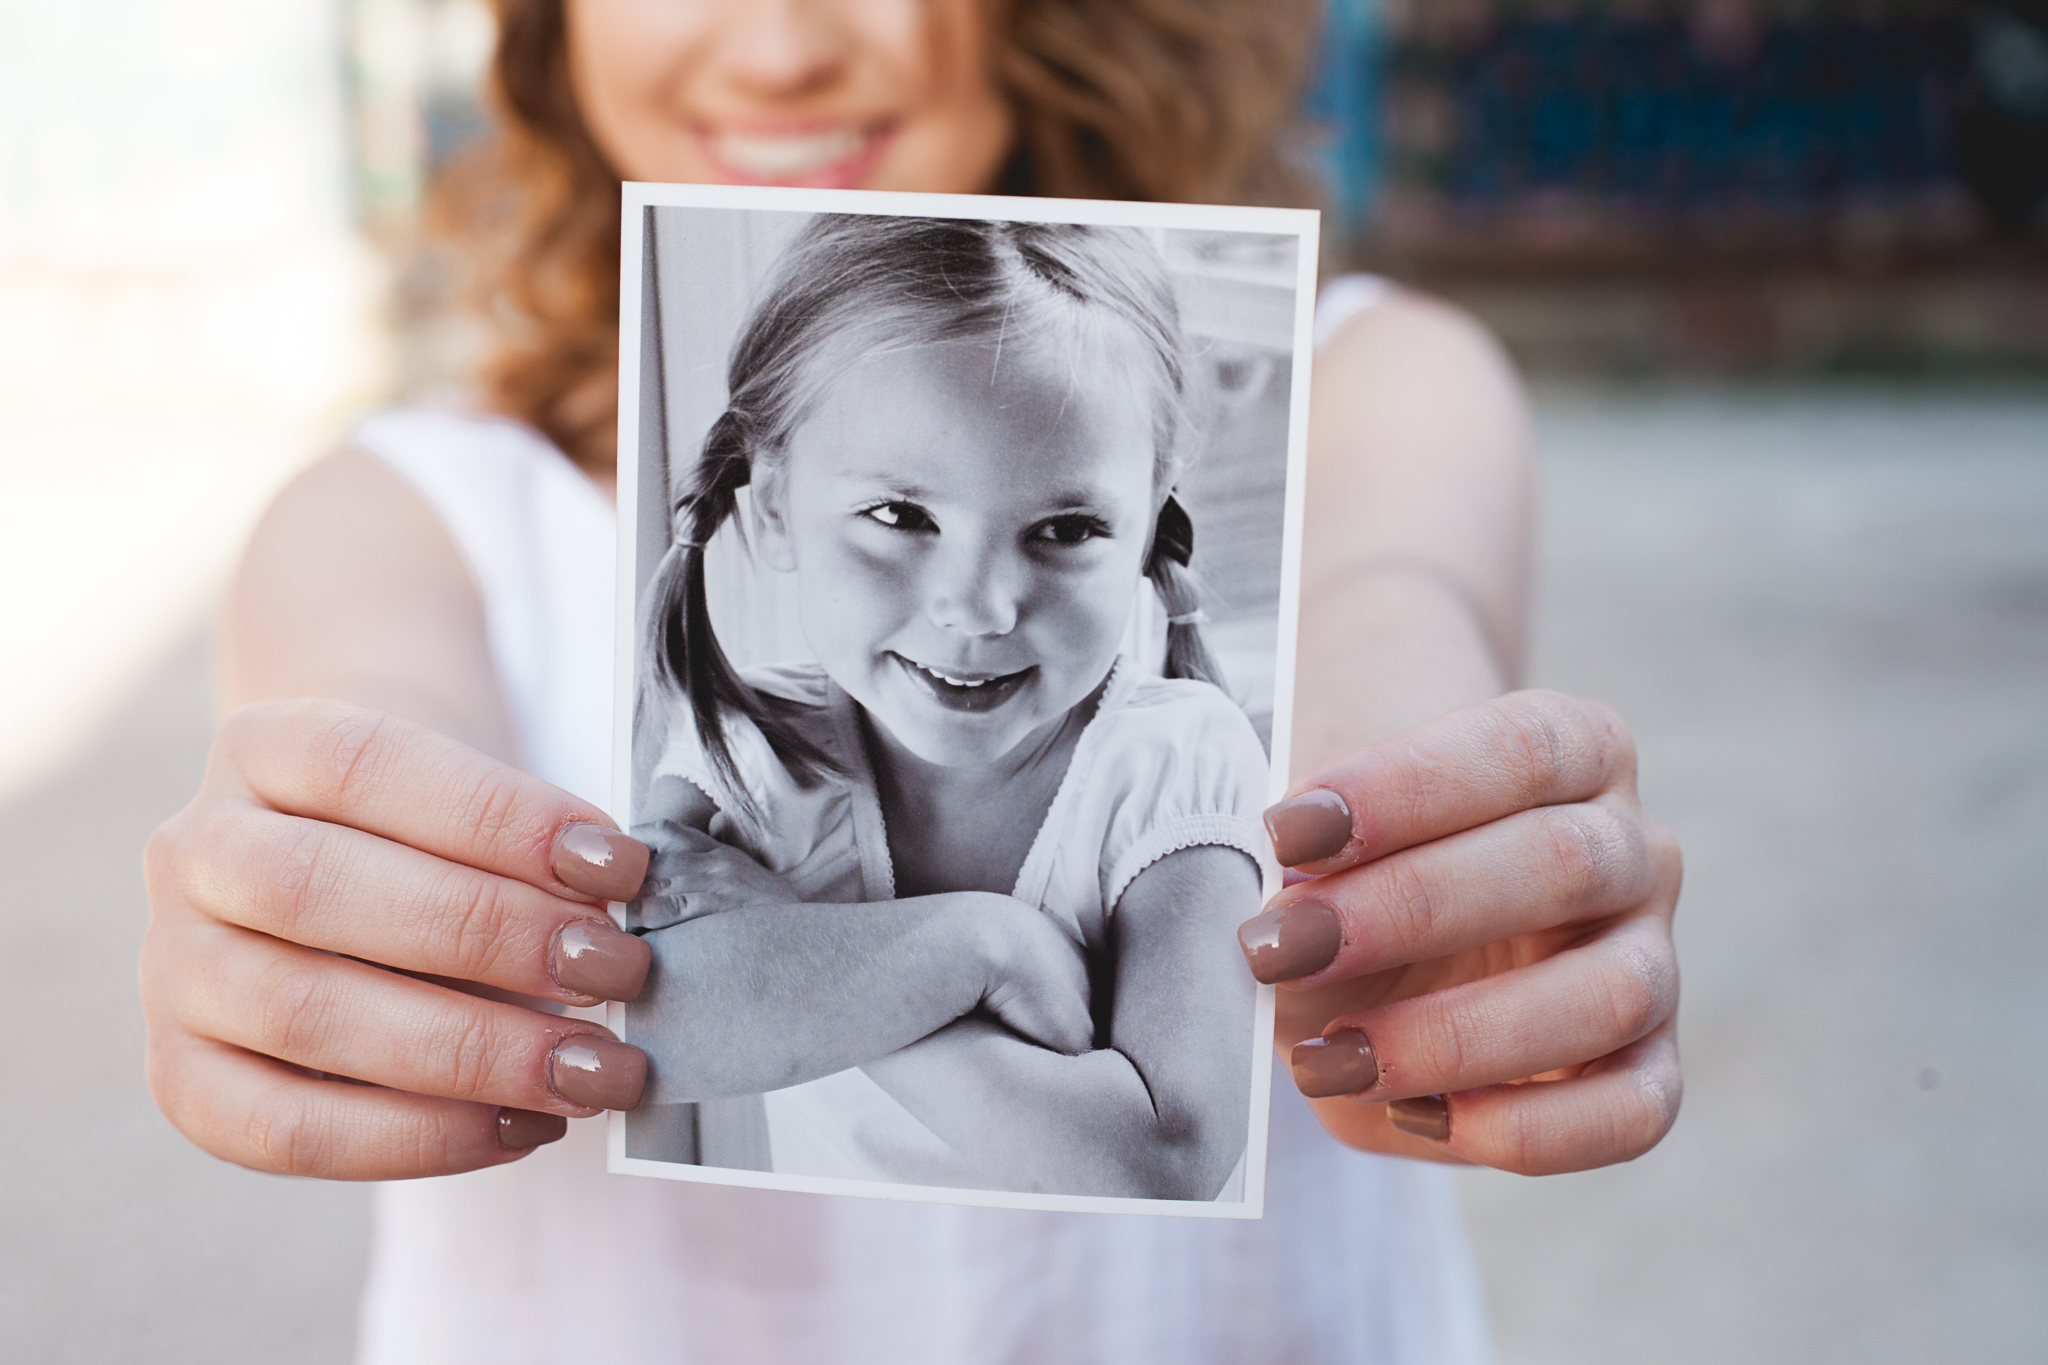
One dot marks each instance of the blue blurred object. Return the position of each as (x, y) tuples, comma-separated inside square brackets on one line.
[(1344, 105), (1644, 113)]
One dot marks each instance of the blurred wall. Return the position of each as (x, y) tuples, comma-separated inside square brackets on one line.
[(185, 316)]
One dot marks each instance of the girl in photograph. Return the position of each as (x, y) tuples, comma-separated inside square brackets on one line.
[(962, 440)]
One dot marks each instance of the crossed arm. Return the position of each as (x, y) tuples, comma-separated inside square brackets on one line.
[(965, 1007)]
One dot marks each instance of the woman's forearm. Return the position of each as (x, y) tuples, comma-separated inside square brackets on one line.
[(1041, 1121)]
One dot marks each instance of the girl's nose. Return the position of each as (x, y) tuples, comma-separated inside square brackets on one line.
[(974, 594), (783, 48)]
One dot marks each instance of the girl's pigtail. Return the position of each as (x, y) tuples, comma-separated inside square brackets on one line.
[(687, 655), (1173, 546)]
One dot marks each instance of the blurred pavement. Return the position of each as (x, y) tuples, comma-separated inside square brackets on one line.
[(1826, 616)]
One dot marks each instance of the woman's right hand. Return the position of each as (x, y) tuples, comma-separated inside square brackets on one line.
[(333, 858)]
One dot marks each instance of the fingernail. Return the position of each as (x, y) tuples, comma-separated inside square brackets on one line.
[(1426, 1116), (594, 958), (600, 862), (1291, 940), (597, 1072), (1309, 827), (519, 1128), (1341, 1064)]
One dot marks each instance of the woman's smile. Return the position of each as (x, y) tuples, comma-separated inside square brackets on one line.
[(819, 157)]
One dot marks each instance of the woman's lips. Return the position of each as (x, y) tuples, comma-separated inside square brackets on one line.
[(815, 158), (970, 691)]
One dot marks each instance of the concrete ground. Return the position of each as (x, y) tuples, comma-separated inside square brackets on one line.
[(1826, 615)]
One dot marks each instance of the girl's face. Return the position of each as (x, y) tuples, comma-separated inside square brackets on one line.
[(842, 94), (967, 524)]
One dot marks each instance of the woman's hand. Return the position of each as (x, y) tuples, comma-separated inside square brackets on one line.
[(333, 857), (1484, 956)]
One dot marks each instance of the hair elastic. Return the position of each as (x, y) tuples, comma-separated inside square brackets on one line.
[(1197, 617)]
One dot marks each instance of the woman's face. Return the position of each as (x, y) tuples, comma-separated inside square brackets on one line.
[(840, 94), (967, 524)]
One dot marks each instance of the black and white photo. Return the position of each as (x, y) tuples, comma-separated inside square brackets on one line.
[(958, 576)]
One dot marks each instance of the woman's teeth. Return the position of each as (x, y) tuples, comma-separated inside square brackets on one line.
[(771, 157)]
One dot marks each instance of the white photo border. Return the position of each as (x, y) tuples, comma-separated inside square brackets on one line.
[(1301, 224)]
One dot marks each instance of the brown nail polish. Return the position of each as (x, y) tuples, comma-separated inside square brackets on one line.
[(592, 957), (597, 1072), (1291, 940), (600, 862), (1309, 828), (519, 1128), (1341, 1064), (1426, 1116)]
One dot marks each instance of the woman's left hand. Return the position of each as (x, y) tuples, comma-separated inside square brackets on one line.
[(1482, 967)]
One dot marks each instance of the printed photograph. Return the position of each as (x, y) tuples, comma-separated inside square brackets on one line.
[(959, 540)]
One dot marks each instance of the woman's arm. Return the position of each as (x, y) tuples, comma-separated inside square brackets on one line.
[(1161, 1110), (1500, 904)]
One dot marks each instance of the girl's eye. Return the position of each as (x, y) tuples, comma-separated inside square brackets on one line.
[(1071, 529), (902, 516)]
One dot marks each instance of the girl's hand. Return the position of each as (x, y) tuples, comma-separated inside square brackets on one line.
[(333, 858), (1038, 978), (693, 874), (1484, 959)]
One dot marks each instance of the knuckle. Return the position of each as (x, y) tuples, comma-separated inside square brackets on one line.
[(468, 1058), (1409, 904), (494, 806), (1586, 849), (1640, 991), (1439, 1051), (297, 868), (1532, 746), (475, 930), (294, 1006), (287, 1133), (345, 752), (1527, 1134)]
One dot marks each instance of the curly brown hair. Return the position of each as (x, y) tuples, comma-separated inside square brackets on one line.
[(1184, 100)]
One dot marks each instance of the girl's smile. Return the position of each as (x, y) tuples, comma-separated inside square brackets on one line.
[(968, 523)]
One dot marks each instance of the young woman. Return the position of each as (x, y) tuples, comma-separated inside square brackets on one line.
[(1480, 969)]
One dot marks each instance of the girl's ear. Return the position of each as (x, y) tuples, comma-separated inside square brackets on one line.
[(773, 544)]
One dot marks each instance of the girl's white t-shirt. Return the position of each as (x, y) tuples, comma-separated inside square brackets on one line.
[(1359, 1259), (1161, 765)]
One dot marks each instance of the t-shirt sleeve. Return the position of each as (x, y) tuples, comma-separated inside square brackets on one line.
[(1187, 771)]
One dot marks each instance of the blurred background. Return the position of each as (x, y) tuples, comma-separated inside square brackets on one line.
[(1778, 271)]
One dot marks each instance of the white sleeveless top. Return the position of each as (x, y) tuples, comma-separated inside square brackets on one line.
[(1359, 1258)]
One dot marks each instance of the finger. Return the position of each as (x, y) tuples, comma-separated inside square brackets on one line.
[(351, 1019), (388, 776), (1616, 1110), (1527, 872), (1463, 769), (261, 1113), (1564, 1011), (332, 887)]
